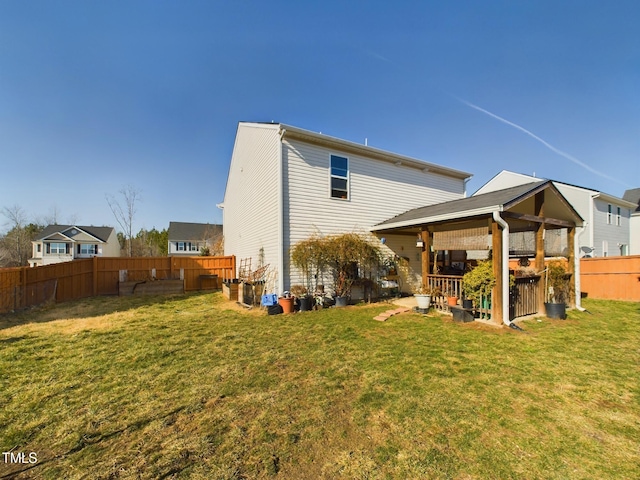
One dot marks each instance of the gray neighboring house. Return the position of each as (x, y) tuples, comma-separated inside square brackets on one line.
[(190, 238), (63, 243), (633, 196), (606, 231)]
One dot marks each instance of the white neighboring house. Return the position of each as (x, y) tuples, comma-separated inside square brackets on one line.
[(286, 183), (190, 238), (63, 243), (633, 196), (606, 231)]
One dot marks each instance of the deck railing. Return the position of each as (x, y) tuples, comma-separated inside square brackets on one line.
[(447, 286)]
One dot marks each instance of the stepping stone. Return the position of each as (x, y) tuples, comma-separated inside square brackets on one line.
[(380, 318)]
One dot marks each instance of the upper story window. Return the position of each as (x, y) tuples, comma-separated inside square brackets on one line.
[(181, 246), (609, 214), (193, 247), (339, 177), (618, 217)]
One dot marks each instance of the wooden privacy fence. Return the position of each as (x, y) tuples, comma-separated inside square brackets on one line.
[(23, 287), (614, 278)]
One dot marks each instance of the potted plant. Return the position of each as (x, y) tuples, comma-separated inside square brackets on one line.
[(558, 289), (478, 283), (423, 295), (300, 293), (349, 256), (286, 303), (309, 256)]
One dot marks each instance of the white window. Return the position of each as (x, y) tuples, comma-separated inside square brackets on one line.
[(58, 248), (86, 249), (339, 177), (609, 215), (181, 246), (605, 248), (624, 249), (193, 247), (618, 219), (39, 247)]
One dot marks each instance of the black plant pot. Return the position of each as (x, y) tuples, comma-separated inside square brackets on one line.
[(467, 303), (341, 301), (306, 304), (556, 310)]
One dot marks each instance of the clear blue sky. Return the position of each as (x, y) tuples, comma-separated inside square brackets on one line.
[(96, 95)]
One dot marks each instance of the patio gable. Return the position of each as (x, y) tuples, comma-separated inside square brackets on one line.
[(484, 222)]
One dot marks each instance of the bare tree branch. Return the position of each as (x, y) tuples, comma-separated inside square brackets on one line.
[(124, 211)]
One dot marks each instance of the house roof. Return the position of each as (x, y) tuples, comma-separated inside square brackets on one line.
[(289, 131), (633, 196), (595, 193), (192, 231), (100, 233), (478, 205)]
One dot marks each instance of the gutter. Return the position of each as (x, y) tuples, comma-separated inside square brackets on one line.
[(505, 267)]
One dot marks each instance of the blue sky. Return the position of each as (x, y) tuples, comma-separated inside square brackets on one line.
[(98, 95)]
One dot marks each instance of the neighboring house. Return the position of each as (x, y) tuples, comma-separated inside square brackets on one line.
[(191, 238), (606, 230), (63, 243), (286, 184), (633, 196)]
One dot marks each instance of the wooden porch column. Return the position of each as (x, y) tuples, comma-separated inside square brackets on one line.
[(497, 314), (571, 258), (539, 262), (426, 257)]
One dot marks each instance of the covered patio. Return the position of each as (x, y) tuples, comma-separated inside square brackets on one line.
[(514, 223)]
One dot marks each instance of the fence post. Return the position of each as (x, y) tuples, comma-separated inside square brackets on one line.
[(95, 276), (23, 287)]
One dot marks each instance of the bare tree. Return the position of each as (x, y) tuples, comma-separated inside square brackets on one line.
[(16, 243), (125, 211)]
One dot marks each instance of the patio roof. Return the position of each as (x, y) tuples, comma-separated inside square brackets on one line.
[(483, 205)]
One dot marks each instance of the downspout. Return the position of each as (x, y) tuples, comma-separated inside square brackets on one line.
[(505, 267), (281, 133), (576, 267)]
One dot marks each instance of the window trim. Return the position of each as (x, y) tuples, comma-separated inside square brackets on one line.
[(339, 177), (619, 217), (609, 214)]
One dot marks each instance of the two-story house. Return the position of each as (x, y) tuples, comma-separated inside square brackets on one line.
[(191, 238), (606, 231), (286, 184), (63, 243), (633, 196)]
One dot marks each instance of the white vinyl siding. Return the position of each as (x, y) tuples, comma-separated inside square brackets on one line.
[(609, 233), (378, 190), (252, 213)]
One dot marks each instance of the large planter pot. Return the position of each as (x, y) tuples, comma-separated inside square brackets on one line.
[(306, 303), (466, 303), (556, 310), (424, 301), (341, 301), (452, 301), (286, 304)]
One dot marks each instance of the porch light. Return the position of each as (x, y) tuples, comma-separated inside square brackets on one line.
[(419, 242)]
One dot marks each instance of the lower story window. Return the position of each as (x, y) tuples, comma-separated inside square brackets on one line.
[(58, 248), (88, 249)]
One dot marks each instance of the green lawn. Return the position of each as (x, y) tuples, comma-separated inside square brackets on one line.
[(191, 387)]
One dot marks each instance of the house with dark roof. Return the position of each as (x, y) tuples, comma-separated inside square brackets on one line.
[(633, 196), (191, 238), (63, 243)]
